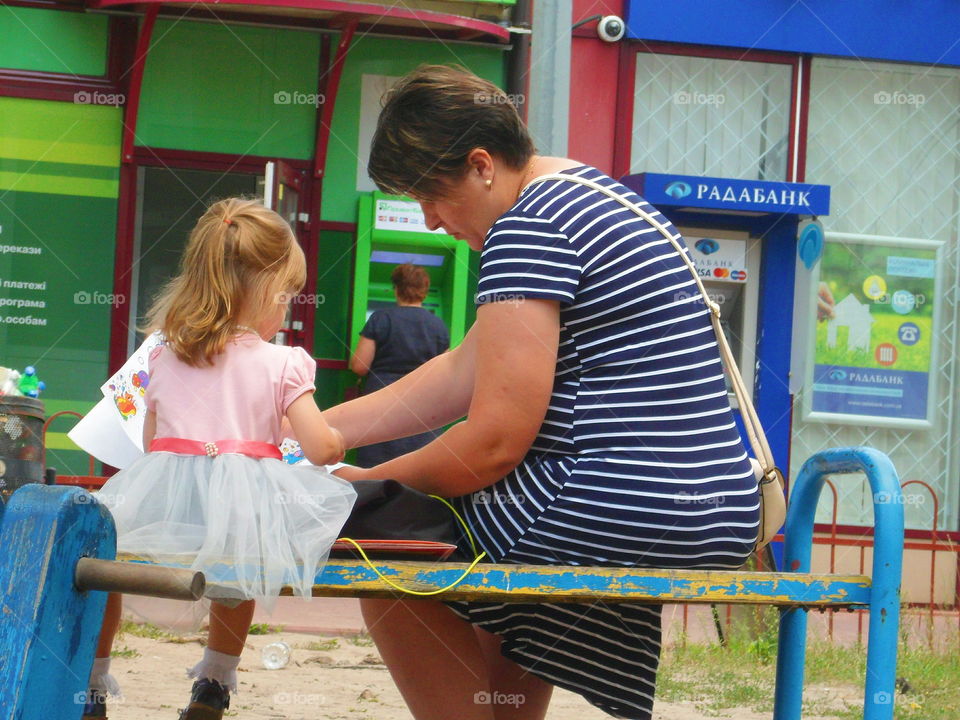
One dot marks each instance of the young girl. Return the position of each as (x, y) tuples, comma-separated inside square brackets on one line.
[(212, 489)]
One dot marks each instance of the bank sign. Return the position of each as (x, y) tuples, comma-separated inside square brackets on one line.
[(731, 194)]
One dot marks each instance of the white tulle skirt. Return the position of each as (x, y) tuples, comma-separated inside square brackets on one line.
[(250, 525)]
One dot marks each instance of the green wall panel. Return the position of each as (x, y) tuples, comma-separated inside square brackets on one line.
[(332, 386), (230, 89), (334, 283), (59, 168), (53, 41), (384, 56)]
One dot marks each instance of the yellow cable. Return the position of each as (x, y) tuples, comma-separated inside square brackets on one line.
[(463, 523), (473, 546), (408, 590)]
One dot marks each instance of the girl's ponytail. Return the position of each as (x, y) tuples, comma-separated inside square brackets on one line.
[(240, 257)]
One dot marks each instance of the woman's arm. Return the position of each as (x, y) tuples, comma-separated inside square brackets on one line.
[(436, 393), (362, 358), (516, 356)]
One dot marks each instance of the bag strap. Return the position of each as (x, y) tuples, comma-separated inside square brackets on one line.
[(758, 440)]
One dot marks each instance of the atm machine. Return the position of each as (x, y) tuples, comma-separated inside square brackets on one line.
[(754, 244), (390, 231)]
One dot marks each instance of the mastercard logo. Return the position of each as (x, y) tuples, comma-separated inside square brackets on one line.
[(721, 272)]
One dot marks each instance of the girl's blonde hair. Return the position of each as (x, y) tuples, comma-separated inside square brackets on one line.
[(241, 259)]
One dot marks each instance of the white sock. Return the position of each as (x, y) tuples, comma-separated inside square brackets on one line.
[(217, 666), (100, 678)]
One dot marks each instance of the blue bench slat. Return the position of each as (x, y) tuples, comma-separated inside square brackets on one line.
[(548, 583), (587, 584)]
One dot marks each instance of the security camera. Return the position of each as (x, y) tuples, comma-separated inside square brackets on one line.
[(611, 28)]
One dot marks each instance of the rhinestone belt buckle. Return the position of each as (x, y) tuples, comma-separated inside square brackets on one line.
[(211, 449)]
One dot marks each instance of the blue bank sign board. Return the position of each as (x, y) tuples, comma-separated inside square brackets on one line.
[(731, 194)]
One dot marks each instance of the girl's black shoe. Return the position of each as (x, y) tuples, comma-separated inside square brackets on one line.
[(95, 705), (208, 700)]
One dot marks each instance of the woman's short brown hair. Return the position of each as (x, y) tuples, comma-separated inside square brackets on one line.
[(430, 122), (411, 283)]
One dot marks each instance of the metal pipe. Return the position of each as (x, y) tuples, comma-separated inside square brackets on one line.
[(304, 28), (136, 83), (136, 579), (518, 59)]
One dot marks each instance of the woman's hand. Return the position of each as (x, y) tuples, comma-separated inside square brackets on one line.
[(352, 472)]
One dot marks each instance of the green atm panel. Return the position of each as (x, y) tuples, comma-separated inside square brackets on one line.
[(391, 231)]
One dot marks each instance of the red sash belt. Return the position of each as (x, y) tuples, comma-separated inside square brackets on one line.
[(250, 448)]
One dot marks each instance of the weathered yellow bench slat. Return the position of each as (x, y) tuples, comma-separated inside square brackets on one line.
[(512, 583), (550, 583)]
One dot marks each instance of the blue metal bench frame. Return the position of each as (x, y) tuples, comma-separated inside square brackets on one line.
[(884, 602), (48, 629)]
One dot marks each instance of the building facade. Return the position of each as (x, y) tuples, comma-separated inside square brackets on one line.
[(119, 123), (862, 100)]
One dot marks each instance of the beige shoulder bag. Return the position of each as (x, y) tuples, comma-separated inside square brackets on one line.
[(773, 506)]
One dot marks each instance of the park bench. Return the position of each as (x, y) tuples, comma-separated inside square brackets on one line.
[(48, 628)]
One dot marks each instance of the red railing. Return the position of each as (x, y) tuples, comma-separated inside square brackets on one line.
[(90, 481), (834, 538)]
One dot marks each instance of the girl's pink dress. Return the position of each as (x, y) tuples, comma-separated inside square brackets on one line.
[(249, 524)]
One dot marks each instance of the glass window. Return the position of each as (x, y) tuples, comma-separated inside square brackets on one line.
[(705, 116), (171, 201), (886, 138)]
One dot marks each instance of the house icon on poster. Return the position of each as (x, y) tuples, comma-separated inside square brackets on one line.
[(856, 316)]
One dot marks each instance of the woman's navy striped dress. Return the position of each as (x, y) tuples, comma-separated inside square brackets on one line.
[(638, 461)]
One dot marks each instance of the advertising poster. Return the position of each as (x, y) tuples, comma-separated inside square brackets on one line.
[(719, 259), (875, 309), (59, 180), (403, 215)]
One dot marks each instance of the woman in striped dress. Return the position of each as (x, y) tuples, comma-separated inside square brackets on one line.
[(596, 429)]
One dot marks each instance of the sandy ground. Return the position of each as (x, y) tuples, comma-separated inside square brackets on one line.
[(328, 677)]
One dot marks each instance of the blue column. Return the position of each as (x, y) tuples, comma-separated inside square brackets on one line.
[(774, 335)]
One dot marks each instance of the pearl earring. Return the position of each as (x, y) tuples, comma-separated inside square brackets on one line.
[(489, 183)]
